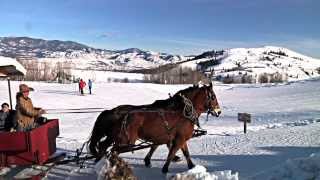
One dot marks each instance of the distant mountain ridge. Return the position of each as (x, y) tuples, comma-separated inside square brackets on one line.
[(33, 48), (235, 65), (17, 46)]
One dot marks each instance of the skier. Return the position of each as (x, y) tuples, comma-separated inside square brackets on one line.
[(82, 84), (90, 85)]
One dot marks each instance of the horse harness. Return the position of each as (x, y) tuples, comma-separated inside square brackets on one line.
[(188, 112)]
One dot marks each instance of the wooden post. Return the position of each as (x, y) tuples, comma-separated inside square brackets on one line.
[(245, 118), (245, 127), (10, 99)]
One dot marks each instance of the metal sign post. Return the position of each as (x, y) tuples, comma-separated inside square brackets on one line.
[(245, 118)]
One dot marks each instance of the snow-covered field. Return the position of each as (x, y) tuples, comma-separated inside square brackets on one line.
[(285, 126)]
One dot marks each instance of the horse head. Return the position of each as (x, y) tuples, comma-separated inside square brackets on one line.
[(203, 99), (212, 101)]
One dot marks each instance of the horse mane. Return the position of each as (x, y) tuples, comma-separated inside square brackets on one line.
[(187, 90), (175, 102)]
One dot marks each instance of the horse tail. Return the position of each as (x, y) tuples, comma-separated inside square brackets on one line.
[(101, 127)]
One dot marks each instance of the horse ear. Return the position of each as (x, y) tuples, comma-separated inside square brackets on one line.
[(210, 85), (181, 95), (200, 83)]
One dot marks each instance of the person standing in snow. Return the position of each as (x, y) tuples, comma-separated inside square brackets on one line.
[(26, 113), (82, 84), (90, 85)]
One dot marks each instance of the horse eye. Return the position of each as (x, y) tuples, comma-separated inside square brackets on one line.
[(212, 96)]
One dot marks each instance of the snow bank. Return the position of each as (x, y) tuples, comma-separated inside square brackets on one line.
[(4, 170), (296, 169), (200, 173)]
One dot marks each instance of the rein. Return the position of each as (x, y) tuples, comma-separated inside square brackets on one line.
[(74, 110)]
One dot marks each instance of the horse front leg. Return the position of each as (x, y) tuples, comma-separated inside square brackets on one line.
[(102, 148), (149, 155), (176, 158), (176, 145), (186, 154), (147, 159)]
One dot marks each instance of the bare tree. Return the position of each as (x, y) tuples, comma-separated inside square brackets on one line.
[(177, 75)]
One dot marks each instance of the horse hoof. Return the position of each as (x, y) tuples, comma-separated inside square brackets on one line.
[(164, 170), (176, 159), (191, 166), (147, 163), (97, 159)]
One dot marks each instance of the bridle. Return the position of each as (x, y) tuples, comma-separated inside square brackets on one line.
[(189, 111), (210, 109), (210, 98)]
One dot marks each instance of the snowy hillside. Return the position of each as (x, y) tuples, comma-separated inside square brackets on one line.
[(80, 56), (247, 65), (240, 65)]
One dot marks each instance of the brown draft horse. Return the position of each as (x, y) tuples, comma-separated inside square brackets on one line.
[(168, 127), (103, 135)]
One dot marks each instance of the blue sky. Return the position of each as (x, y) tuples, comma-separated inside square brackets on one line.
[(172, 26)]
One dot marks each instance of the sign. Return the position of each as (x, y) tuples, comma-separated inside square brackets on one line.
[(244, 117)]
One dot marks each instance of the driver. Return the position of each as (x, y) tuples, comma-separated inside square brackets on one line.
[(26, 113)]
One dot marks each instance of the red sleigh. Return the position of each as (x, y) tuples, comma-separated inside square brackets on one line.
[(27, 148)]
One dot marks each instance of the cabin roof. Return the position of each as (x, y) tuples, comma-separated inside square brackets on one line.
[(11, 67)]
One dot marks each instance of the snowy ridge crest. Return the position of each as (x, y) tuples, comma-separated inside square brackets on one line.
[(84, 57), (258, 65)]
